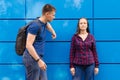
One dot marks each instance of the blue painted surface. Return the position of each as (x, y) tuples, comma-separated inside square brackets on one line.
[(107, 29), (12, 8), (109, 72), (104, 22), (9, 29), (57, 52), (58, 72), (106, 8), (65, 8), (8, 55), (12, 72), (108, 52)]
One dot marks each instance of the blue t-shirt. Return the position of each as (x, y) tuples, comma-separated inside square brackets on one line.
[(40, 32)]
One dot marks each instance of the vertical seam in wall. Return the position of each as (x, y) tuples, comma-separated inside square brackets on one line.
[(93, 22), (93, 16), (25, 11), (25, 23)]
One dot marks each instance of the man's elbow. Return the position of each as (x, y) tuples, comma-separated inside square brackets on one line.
[(28, 45)]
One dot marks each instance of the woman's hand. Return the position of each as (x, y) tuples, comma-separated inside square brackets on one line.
[(72, 70), (96, 70)]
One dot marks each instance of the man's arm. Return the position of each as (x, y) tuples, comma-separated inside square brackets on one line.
[(49, 28), (32, 52)]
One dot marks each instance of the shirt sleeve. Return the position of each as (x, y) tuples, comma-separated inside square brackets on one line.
[(95, 52), (72, 52), (33, 29)]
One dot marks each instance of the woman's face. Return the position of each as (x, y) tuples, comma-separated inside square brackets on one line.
[(83, 24)]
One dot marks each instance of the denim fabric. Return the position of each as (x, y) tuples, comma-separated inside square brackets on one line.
[(84, 72), (33, 71)]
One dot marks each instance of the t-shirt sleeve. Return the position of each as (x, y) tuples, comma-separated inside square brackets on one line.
[(33, 29)]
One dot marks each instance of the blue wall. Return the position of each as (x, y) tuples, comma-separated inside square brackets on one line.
[(104, 22)]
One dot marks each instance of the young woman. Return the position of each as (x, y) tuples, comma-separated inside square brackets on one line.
[(83, 56)]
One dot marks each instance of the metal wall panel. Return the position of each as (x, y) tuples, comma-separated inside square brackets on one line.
[(108, 72), (64, 8), (9, 29), (12, 8), (12, 72), (106, 8), (108, 52), (107, 29)]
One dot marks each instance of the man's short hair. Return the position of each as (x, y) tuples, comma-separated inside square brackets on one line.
[(48, 8)]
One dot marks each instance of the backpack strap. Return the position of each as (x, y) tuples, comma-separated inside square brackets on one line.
[(36, 21)]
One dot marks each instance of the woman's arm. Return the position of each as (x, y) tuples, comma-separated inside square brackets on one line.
[(71, 56), (72, 52), (95, 53)]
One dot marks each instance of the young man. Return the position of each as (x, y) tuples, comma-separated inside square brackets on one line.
[(32, 57)]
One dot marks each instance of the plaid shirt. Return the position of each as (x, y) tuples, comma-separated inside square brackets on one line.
[(83, 52)]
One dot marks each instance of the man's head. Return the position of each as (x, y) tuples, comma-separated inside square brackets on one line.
[(49, 12)]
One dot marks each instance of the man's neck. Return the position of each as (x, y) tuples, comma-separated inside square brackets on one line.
[(43, 19)]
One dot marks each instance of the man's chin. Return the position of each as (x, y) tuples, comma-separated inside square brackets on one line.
[(49, 20)]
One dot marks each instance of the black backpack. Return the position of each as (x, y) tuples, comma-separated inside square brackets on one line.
[(20, 43)]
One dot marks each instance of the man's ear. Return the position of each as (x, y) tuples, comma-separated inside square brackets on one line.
[(47, 13)]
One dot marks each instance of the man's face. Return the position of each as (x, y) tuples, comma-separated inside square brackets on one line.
[(50, 16)]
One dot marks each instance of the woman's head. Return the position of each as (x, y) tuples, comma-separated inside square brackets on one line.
[(82, 25)]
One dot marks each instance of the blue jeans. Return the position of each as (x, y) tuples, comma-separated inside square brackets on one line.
[(84, 72), (33, 71)]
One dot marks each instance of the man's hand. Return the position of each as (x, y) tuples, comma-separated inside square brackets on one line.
[(53, 35), (42, 65)]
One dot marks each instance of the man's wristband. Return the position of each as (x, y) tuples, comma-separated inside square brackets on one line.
[(37, 59)]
